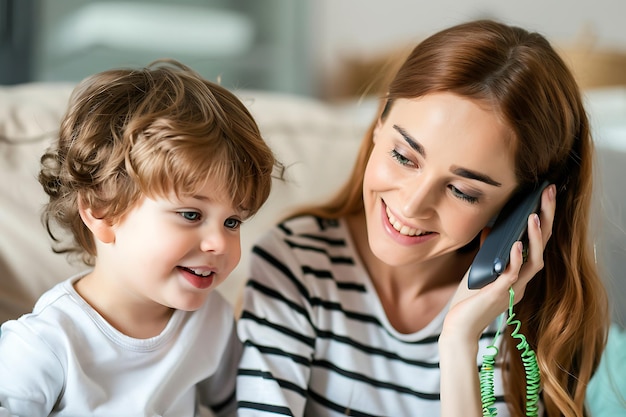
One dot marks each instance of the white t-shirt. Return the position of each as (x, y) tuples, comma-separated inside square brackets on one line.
[(64, 359)]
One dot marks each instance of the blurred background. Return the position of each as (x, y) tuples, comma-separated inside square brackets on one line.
[(323, 48)]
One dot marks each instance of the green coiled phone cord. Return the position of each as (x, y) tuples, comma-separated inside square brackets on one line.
[(531, 369)]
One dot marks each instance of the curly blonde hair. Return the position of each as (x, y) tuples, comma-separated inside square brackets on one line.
[(150, 132)]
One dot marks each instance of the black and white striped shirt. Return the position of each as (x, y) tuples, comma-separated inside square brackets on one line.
[(317, 340)]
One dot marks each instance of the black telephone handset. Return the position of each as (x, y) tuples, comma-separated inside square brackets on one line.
[(510, 226)]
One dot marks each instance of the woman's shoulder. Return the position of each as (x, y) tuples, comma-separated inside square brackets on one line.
[(309, 239), (310, 228), (305, 250)]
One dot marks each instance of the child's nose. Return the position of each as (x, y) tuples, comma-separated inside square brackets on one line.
[(214, 240)]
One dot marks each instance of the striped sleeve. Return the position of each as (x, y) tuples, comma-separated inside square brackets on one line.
[(277, 332)]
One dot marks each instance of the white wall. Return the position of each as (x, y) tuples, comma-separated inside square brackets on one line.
[(351, 27)]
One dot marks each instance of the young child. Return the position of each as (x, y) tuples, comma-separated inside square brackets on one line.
[(154, 171)]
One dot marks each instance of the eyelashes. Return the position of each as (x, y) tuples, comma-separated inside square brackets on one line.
[(463, 196), (401, 159), (191, 216), (231, 223), (406, 162)]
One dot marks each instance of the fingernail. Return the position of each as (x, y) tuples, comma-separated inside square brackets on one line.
[(536, 219), (552, 192)]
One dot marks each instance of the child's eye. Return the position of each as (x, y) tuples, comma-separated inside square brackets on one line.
[(401, 159), (461, 195), (192, 216), (232, 223)]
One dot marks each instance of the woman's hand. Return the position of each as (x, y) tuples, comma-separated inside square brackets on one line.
[(471, 311)]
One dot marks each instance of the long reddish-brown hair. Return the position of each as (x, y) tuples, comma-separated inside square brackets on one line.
[(564, 311)]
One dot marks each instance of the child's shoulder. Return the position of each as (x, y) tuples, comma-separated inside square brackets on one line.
[(54, 295), (48, 327)]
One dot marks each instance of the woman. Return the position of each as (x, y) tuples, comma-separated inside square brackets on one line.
[(361, 307)]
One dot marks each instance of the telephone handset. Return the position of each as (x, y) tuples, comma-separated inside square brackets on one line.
[(510, 226)]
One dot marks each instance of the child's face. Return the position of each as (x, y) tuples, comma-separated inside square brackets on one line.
[(441, 167), (174, 251)]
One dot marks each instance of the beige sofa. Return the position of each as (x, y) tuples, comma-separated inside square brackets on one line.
[(315, 139)]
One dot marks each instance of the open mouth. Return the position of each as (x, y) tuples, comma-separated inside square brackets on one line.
[(402, 228), (199, 273), (200, 278)]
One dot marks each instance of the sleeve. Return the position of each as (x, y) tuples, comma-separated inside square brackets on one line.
[(606, 392), (31, 376), (278, 333), (219, 391)]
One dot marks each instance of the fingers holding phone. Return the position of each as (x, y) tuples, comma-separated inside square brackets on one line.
[(494, 285), (510, 226), (539, 231)]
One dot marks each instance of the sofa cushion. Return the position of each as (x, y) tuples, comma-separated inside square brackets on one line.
[(29, 119)]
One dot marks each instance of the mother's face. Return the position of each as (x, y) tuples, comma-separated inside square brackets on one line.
[(442, 166)]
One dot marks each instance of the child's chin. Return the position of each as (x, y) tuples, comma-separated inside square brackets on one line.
[(190, 304)]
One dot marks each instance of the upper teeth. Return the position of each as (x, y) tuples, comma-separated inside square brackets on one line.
[(402, 228), (201, 273)]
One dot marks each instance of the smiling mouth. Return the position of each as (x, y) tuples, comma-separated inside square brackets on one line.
[(199, 273), (402, 228)]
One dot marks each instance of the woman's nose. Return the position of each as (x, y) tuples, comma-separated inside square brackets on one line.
[(419, 200)]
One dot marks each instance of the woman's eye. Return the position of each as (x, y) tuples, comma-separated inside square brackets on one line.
[(401, 159), (192, 216), (460, 194), (232, 223)]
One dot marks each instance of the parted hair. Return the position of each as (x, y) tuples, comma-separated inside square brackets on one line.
[(152, 131), (564, 311)]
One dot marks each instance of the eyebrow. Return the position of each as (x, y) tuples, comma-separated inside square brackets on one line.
[(201, 197), (462, 172), (473, 175), (409, 139)]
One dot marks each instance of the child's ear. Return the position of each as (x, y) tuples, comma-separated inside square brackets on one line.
[(101, 228)]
